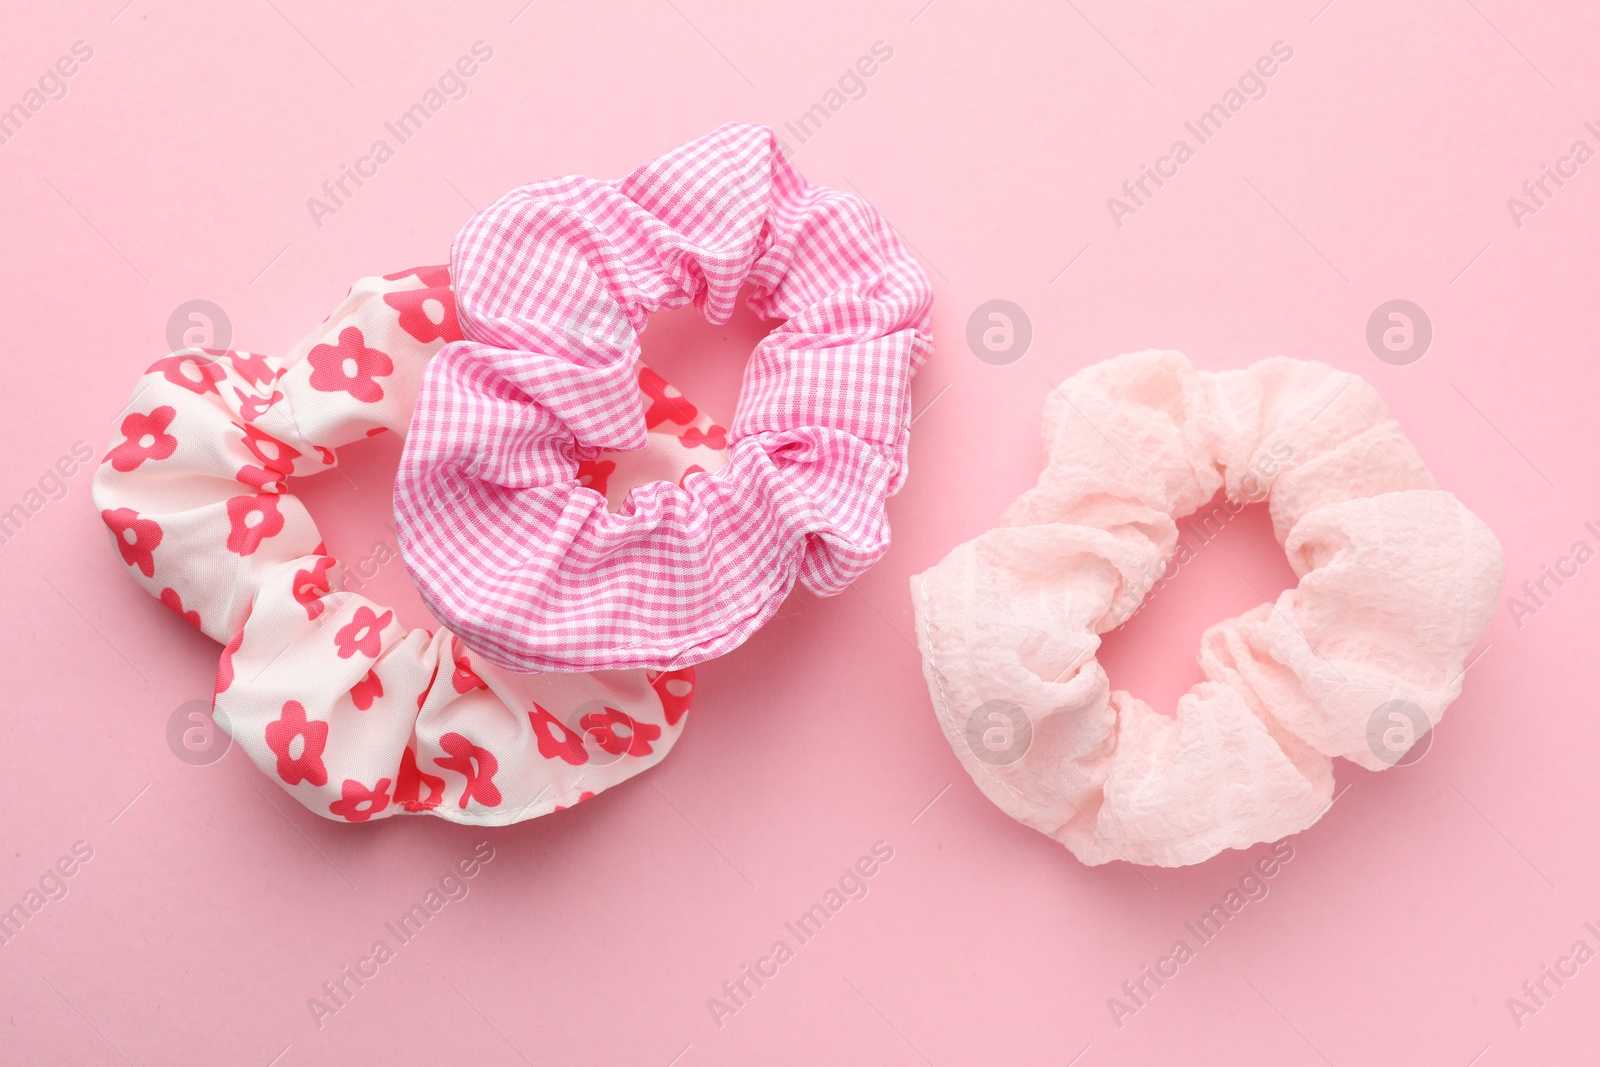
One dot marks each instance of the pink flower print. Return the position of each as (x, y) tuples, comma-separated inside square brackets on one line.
[(272, 453), (136, 538), (310, 586), (363, 633), (350, 367), (252, 519), (357, 803), (254, 369), (714, 437), (197, 374), (147, 438), (585, 795), (427, 314), (277, 461), (555, 740), (464, 678), (409, 786), (170, 598), (616, 732), (225, 664), (676, 689), (302, 761), (595, 473), (432, 276), (253, 407), (666, 403), (476, 765), (262, 481), (365, 691)]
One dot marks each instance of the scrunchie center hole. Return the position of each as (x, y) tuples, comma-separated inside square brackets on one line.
[(1227, 561), (704, 361)]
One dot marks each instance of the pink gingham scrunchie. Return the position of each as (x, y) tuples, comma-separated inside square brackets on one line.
[(1397, 582), (354, 715), (553, 283)]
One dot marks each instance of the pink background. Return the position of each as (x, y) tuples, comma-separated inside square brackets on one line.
[(1378, 166)]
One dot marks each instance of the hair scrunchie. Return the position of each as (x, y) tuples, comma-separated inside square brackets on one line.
[(1397, 582), (553, 283), (353, 714)]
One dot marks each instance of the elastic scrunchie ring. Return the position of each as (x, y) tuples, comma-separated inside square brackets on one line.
[(554, 281), (354, 715), (1398, 582)]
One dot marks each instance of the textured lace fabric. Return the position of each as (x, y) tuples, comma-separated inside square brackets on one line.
[(1397, 583)]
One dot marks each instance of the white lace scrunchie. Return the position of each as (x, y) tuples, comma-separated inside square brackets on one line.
[(1398, 581)]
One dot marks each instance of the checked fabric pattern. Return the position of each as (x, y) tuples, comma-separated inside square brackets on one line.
[(553, 284)]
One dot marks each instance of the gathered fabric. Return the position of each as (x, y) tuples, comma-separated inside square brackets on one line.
[(554, 282), (1397, 584), (353, 714)]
